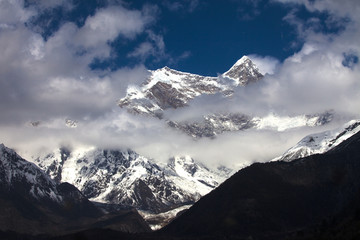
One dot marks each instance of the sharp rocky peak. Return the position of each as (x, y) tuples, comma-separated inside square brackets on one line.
[(244, 59), (243, 72)]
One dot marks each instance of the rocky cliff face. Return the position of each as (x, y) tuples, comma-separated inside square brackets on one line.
[(243, 72)]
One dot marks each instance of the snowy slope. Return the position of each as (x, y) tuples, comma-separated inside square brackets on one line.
[(194, 178), (321, 142), (157, 221), (129, 179)]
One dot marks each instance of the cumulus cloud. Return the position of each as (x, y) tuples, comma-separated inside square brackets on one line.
[(323, 74), (108, 23), (46, 82), (45, 79)]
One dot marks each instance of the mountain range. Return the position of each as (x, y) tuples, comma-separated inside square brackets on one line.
[(125, 178), (129, 180), (292, 197), (74, 189), (314, 197)]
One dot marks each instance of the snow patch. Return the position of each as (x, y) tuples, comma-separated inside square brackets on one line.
[(321, 142)]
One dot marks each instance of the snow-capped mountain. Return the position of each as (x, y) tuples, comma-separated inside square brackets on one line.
[(129, 179), (167, 88), (321, 142), (33, 203)]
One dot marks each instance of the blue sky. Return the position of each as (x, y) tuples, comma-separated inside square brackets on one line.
[(64, 59), (204, 37)]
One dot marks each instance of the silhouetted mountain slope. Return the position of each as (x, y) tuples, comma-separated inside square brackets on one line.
[(278, 199)]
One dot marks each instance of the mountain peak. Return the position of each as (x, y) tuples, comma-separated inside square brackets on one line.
[(243, 72), (168, 88), (166, 68), (242, 60)]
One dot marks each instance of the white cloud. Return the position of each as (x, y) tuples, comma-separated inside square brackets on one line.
[(143, 51), (155, 47), (44, 80), (266, 65), (110, 22), (12, 12), (315, 77), (345, 7)]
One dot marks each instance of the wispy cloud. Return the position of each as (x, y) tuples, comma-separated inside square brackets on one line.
[(250, 9), (266, 65), (185, 5), (153, 47)]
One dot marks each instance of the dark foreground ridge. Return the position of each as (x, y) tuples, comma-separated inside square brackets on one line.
[(316, 197), (304, 199)]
